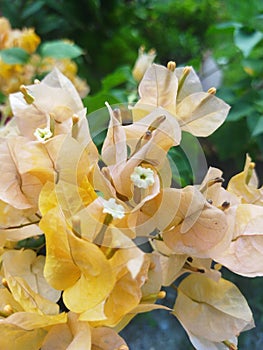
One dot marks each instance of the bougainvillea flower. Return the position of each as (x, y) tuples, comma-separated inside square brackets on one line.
[(245, 185), (143, 62), (179, 91), (28, 306), (131, 268), (115, 180), (147, 152), (244, 254), (175, 265), (26, 39), (197, 227), (159, 125), (69, 267), (27, 265), (79, 335), (201, 299), (17, 224), (28, 166), (95, 210), (53, 103), (5, 27)]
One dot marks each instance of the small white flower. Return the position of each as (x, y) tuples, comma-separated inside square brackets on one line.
[(112, 208), (43, 134), (142, 177)]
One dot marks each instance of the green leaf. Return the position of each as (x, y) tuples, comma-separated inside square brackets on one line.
[(259, 106), (258, 128), (181, 169), (231, 140), (31, 242), (239, 110), (60, 49), (227, 25), (15, 55), (97, 101), (32, 9), (118, 77), (2, 98), (246, 40), (258, 22)]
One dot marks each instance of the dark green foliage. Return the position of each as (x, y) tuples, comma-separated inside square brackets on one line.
[(111, 32), (238, 46)]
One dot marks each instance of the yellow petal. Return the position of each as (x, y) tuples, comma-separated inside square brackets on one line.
[(47, 198), (19, 338), (97, 276), (30, 321), (60, 270), (94, 314), (6, 298), (124, 297), (28, 299)]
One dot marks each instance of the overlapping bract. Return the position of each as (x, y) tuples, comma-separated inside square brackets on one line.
[(93, 208)]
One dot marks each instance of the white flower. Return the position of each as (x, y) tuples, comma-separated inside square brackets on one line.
[(112, 208), (43, 134), (142, 177)]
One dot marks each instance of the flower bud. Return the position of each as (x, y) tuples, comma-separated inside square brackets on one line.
[(142, 63)]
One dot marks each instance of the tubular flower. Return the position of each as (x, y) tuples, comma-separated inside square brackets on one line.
[(142, 177), (112, 208)]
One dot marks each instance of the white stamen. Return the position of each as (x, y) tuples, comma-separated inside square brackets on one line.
[(142, 177), (112, 208), (43, 134)]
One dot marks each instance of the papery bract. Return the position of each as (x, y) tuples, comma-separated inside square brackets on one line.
[(143, 62), (197, 112), (201, 299), (197, 226), (77, 266), (79, 335), (245, 185), (244, 254), (55, 100), (25, 264)]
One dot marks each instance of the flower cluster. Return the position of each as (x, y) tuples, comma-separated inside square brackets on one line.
[(94, 207), (28, 64)]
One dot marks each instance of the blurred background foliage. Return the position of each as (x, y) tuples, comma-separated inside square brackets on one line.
[(222, 39)]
